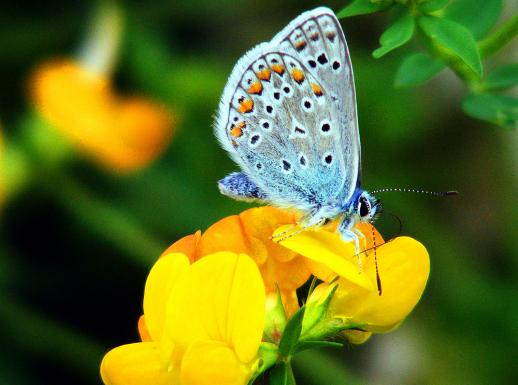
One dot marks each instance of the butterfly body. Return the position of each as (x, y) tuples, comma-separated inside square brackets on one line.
[(288, 118)]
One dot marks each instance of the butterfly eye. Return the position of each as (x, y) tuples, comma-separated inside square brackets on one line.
[(364, 207)]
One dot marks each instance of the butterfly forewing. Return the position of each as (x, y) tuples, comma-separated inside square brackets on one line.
[(288, 114)]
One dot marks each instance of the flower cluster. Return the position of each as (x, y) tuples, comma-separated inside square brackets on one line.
[(221, 307)]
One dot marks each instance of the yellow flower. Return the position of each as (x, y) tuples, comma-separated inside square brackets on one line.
[(203, 324), (250, 233), (120, 134), (403, 265)]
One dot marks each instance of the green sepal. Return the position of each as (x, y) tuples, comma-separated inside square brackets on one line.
[(268, 357), (316, 311), (291, 333), (363, 7), (417, 69), (275, 321), (305, 345), (396, 35)]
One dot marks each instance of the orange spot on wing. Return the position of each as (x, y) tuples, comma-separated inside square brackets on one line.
[(246, 105), (256, 88), (298, 75), (278, 68), (237, 130), (316, 89), (299, 46), (264, 74)]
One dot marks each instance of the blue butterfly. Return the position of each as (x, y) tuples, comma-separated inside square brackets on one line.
[(288, 118)]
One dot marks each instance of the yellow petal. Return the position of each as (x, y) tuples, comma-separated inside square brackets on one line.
[(329, 249), (221, 297), (136, 364), (161, 279), (404, 266), (250, 233), (246, 310), (212, 362)]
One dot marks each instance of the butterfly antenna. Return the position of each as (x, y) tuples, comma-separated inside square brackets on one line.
[(412, 190), (400, 231), (378, 280)]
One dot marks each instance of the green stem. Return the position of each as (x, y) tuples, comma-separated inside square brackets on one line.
[(498, 39), (47, 338), (111, 224)]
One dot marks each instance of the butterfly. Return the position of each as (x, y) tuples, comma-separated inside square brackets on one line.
[(288, 118)]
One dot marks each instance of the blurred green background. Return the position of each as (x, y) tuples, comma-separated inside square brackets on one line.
[(76, 244)]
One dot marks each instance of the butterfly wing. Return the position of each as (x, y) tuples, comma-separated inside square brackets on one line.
[(288, 115)]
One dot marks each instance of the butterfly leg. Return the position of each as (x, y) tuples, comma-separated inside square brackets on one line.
[(349, 235), (304, 225), (238, 186)]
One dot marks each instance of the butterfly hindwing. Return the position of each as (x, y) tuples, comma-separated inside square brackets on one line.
[(290, 126)]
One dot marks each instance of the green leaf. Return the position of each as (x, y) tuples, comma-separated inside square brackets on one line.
[(479, 16), (502, 77), (417, 69), (282, 374), (305, 345), (396, 35), (432, 5), (291, 333), (498, 109), (363, 7), (452, 39)]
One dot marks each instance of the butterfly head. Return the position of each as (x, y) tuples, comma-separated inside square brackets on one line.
[(367, 207)]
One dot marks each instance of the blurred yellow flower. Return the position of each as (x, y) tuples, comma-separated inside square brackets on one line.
[(403, 265), (203, 324), (120, 134)]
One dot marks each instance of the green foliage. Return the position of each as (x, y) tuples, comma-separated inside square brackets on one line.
[(478, 16), (449, 31), (396, 35), (502, 77), (497, 109), (417, 69), (363, 7), (452, 40), (432, 5)]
